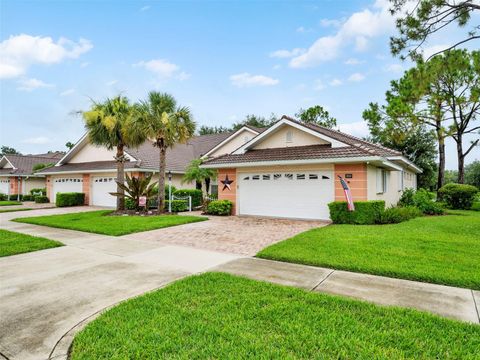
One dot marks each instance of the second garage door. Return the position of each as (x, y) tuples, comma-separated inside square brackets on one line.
[(102, 186), (67, 184), (4, 186), (302, 195)]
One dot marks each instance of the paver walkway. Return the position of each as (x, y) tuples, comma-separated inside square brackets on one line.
[(456, 303)]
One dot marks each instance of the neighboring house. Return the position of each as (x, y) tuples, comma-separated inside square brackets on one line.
[(92, 170), (291, 170), (17, 175)]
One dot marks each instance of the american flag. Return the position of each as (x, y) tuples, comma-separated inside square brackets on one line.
[(348, 195)]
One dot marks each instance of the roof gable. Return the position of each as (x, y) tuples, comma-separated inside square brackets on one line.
[(233, 141), (322, 139)]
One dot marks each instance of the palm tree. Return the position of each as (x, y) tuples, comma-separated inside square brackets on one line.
[(166, 124), (112, 124), (195, 173)]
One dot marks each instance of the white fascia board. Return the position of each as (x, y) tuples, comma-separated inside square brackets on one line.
[(257, 139), (406, 161), (106, 170), (6, 159), (295, 162), (77, 147), (232, 136)]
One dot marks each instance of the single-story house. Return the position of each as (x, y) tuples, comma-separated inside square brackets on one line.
[(291, 170), (92, 169), (17, 175)]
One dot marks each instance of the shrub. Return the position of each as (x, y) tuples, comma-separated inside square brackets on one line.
[(130, 204), (37, 191), (28, 197), (366, 212), (458, 196), (15, 197), (69, 199), (395, 215), (219, 207), (177, 205), (40, 199), (197, 195), (424, 200), (155, 191), (407, 198), (3, 197), (476, 206)]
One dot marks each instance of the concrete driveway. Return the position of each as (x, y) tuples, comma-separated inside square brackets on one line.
[(45, 294)]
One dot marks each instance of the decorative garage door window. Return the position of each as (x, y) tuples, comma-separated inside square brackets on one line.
[(288, 176), (68, 180), (4, 181), (99, 180)]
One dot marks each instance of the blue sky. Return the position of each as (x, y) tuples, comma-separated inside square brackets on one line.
[(222, 59)]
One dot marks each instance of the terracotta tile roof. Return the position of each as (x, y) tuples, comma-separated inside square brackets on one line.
[(23, 164), (291, 153)]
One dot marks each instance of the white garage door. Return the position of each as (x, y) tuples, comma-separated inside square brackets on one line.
[(302, 195), (66, 184), (102, 186), (4, 186)]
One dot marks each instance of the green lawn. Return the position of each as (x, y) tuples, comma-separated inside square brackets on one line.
[(99, 222), (12, 243), (12, 210), (8, 203), (440, 249), (219, 316)]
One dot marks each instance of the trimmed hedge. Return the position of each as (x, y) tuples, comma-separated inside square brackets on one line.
[(458, 196), (14, 197), (70, 199), (40, 199), (28, 198), (197, 195), (3, 197), (38, 190), (366, 212), (219, 207), (177, 205), (395, 215)]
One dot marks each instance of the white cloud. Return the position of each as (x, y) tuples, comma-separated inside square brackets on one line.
[(335, 82), (246, 80), (163, 69), (302, 29), (84, 64), (430, 50), (40, 140), (358, 128), (111, 83), (318, 85), (287, 53), (394, 68), (19, 52), (331, 22), (359, 28), (67, 92), (145, 8), (32, 84), (353, 61), (356, 77)]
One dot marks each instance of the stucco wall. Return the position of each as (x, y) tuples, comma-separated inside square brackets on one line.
[(33, 183), (279, 139), (90, 153), (240, 139), (394, 188), (228, 194), (357, 182)]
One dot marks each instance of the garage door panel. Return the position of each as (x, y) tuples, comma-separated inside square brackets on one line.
[(5, 186), (102, 186), (287, 194), (66, 184)]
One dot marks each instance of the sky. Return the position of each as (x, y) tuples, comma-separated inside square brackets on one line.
[(223, 59)]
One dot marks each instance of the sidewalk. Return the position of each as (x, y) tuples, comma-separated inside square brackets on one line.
[(451, 302)]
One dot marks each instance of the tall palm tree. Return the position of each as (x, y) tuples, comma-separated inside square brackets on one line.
[(166, 124), (195, 173), (111, 124)]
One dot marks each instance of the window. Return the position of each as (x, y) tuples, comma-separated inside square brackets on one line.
[(289, 136), (382, 181), (256, 177), (266, 177), (277, 176), (400, 180), (313, 176), (325, 177), (246, 178), (289, 176), (300, 176), (213, 189)]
